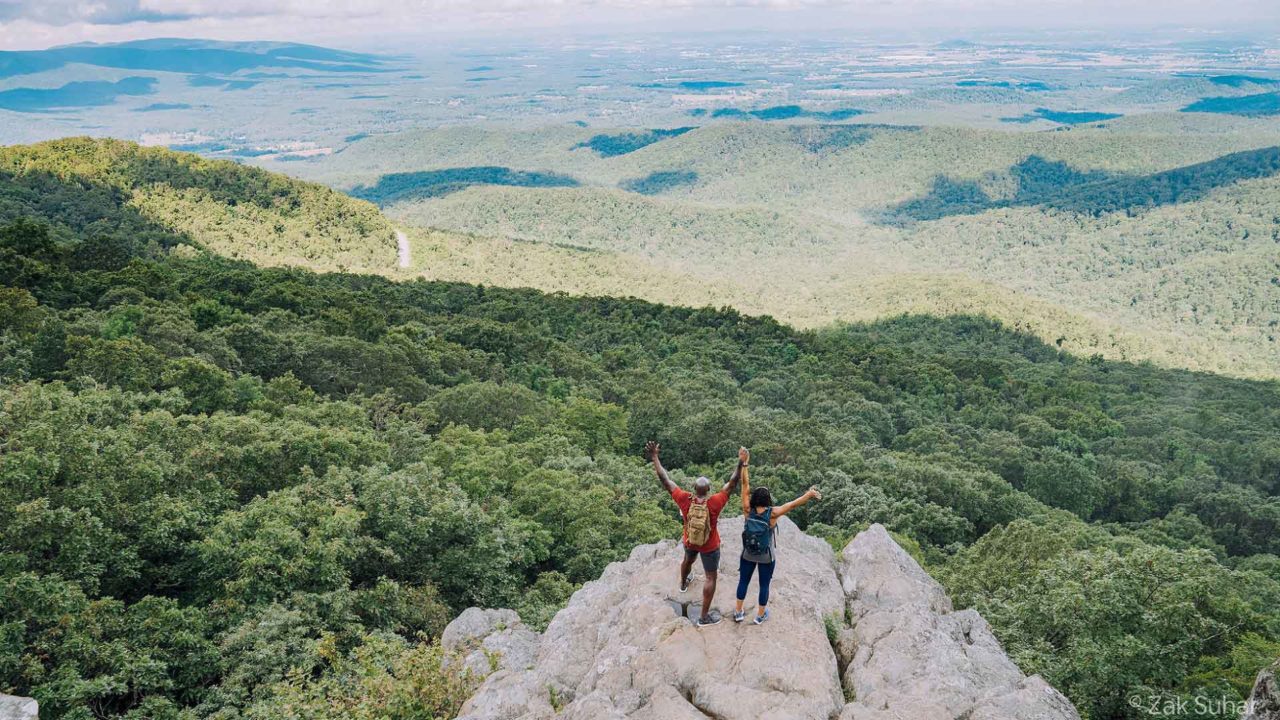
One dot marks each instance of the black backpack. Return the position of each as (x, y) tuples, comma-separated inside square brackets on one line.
[(756, 533)]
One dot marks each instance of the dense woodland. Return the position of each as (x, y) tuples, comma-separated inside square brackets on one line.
[(1150, 238), (241, 492), (151, 198)]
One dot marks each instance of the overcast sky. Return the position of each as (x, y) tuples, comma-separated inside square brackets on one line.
[(27, 24)]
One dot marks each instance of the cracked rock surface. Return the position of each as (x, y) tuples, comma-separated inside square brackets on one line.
[(1264, 701), (619, 649), (912, 656), (485, 636)]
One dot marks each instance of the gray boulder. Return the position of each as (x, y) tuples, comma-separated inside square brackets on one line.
[(13, 707), (490, 640), (1264, 701), (914, 657)]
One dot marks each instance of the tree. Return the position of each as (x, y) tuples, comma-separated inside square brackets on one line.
[(383, 677), (301, 539), (594, 426), (207, 387), (127, 362), (1105, 618), (1062, 480)]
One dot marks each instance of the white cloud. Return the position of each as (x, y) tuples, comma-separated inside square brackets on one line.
[(38, 23)]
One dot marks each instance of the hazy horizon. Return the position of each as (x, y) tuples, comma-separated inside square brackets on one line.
[(368, 24)]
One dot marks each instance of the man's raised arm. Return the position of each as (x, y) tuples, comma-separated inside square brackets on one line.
[(744, 458), (652, 449)]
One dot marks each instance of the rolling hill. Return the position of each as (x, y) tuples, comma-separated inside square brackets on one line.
[(189, 56), (1156, 282), (1153, 238), (214, 205), (155, 201)]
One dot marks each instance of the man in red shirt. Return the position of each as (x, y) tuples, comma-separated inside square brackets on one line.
[(709, 551)]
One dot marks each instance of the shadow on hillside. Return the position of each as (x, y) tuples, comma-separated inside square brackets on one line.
[(606, 145), (821, 138), (1259, 105), (401, 187), (90, 221), (1056, 185), (973, 345), (656, 183)]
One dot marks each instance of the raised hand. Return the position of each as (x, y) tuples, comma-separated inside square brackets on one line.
[(813, 493), (744, 455), (651, 449)]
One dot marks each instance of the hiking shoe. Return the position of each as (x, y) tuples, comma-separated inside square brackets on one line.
[(739, 616), (761, 618), (684, 586), (712, 619)]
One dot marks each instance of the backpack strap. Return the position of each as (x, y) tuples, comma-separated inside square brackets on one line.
[(767, 516), (684, 515)]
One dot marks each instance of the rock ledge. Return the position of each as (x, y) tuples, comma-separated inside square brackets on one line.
[(867, 636)]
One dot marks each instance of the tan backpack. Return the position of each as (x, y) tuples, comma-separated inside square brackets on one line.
[(697, 523)]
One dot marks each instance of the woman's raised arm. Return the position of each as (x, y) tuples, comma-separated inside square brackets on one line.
[(810, 494)]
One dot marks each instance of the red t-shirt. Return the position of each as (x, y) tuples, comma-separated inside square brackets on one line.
[(715, 504)]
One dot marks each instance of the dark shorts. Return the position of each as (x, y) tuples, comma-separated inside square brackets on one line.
[(710, 560)]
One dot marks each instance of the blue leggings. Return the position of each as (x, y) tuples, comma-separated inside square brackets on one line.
[(745, 569)]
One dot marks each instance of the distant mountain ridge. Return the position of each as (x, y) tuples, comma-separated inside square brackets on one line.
[(190, 56)]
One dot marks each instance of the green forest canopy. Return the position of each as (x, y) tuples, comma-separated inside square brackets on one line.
[(245, 492), (113, 197), (1153, 239)]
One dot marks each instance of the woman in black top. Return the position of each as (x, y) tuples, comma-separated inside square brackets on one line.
[(757, 507)]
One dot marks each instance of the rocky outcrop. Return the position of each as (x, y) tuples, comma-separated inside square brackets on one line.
[(619, 649), (870, 637), (490, 640), (1264, 701), (912, 656), (18, 708)]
